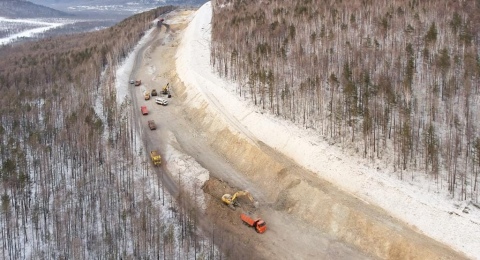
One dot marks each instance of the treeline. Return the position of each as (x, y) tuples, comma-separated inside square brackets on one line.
[(397, 81), (71, 171)]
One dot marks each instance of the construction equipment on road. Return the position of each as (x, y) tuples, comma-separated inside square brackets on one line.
[(156, 158), (154, 92), (166, 90), (152, 125), (144, 110), (259, 225), (232, 202), (146, 94), (138, 82)]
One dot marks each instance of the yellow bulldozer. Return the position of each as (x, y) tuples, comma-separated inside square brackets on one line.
[(156, 158), (232, 202)]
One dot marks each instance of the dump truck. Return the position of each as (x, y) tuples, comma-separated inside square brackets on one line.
[(146, 94), (259, 225), (154, 92), (138, 82), (144, 110), (152, 125), (156, 158)]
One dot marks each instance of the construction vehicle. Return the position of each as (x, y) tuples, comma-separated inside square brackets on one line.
[(146, 95), (138, 82), (152, 125), (259, 225), (144, 110), (154, 92), (166, 90), (232, 202), (156, 158)]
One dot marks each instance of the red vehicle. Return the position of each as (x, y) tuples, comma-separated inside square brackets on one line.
[(144, 110), (259, 225)]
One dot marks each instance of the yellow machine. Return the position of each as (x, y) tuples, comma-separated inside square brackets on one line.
[(156, 158), (232, 202), (166, 89)]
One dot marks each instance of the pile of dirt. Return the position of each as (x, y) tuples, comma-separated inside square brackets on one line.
[(217, 188)]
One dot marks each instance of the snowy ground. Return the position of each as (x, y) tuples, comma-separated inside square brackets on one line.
[(41, 26), (420, 204)]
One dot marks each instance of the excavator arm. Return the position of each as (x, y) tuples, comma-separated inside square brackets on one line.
[(242, 193), (231, 201)]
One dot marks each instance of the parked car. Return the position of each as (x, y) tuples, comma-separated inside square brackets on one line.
[(132, 81), (161, 101)]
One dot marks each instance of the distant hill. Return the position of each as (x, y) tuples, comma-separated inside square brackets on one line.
[(26, 9), (118, 2)]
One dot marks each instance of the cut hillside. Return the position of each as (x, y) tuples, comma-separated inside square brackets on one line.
[(395, 83)]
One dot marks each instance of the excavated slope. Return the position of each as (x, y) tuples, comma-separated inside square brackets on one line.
[(299, 192)]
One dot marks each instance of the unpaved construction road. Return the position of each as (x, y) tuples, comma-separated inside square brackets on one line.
[(307, 217)]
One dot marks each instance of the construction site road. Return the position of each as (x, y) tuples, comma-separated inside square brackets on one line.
[(307, 218)]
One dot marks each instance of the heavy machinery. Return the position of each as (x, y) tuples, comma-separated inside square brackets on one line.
[(138, 82), (154, 92), (166, 90), (259, 225), (144, 110), (146, 95), (156, 158), (232, 202), (152, 125)]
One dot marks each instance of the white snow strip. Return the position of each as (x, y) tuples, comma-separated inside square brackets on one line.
[(27, 33)]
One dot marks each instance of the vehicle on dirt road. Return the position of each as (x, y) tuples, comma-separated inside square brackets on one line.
[(154, 92), (232, 202), (144, 110), (138, 82), (152, 125), (166, 89), (161, 101), (259, 225), (156, 158), (146, 95)]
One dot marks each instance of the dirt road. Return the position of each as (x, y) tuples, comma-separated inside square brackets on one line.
[(307, 218)]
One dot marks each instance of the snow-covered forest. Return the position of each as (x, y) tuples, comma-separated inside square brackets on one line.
[(398, 82), (73, 180)]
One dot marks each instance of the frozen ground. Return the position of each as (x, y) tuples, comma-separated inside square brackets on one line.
[(41, 27), (420, 203)]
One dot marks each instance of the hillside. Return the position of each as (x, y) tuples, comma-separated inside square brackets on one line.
[(69, 159), (26, 9), (397, 83)]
